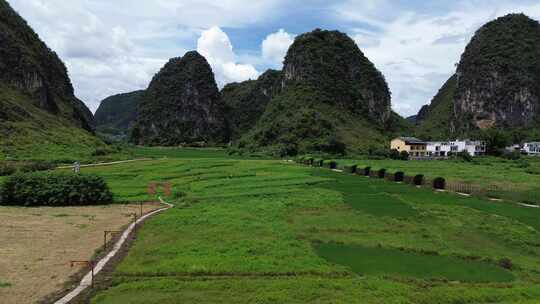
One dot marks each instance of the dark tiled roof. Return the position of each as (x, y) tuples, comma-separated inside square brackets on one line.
[(412, 140)]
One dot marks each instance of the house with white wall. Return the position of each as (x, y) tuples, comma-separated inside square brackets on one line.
[(531, 148), (446, 148)]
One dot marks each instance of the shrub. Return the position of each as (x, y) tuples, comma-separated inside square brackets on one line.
[(464, 155), (34, 166), (351, 169), (367, 171), (394, 154), (102, 151), (381, 173), (7, 168), (439, 183), (404, 155), (418, 180), (309, 161), (511, 155), (521, 163), (54, 189), (399, 176), (332, 164), (506, 263), (377, 153), (333, 146)]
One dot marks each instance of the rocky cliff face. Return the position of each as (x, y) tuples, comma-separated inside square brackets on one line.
[(498, 77), (28, 66), (117, 114), (181, 105), (332, 63), (245, 102)]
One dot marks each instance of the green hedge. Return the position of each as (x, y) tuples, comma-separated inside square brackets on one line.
[(54, 189), (418, 180), (351, 169), (439, 183)]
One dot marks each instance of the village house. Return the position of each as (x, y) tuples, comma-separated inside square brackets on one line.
[(419, 149), (531, 148), (446, 148), (414, 146)]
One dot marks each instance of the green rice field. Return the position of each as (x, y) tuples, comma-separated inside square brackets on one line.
[(271, 231)]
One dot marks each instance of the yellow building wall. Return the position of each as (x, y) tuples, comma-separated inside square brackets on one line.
[(398, 144)]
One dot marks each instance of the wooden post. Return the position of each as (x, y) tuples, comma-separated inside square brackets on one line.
[(105, 236), (86, 263)]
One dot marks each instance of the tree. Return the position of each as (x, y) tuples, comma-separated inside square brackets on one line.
[(394, 154), (496, 140), (404, 155)]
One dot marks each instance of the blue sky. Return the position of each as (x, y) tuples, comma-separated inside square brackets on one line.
[(117, 46)]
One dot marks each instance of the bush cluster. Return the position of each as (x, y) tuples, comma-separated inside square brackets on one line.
[(7, 168), (367, 171), (399, 176), (54, 189), (439, 183), (395, 154)]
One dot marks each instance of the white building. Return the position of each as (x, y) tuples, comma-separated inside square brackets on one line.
[(446, 148), (532, 148)]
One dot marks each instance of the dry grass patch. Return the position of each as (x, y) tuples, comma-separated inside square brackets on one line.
[(36, 245)]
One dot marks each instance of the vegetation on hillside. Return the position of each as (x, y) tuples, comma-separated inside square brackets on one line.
[(245, 102), (300, 120), (30, 67), (116, 114), (433, 122), (334, 101), (182, 105), (31, 133), (40, 117)]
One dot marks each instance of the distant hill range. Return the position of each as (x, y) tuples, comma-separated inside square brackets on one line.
[(329, 97), (116, 114), (39, 113), (496, 84)]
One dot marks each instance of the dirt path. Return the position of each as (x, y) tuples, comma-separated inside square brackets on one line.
[(87, 279), (106, 164)]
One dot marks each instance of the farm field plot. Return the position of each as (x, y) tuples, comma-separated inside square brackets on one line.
[(519, 177), (36, 245), (254, 231)]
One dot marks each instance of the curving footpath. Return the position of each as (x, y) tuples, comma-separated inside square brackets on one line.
[(106, 164), (87, 279)]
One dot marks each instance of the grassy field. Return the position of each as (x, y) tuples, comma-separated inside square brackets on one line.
[(514, 179), (36, 245), (263, 231)]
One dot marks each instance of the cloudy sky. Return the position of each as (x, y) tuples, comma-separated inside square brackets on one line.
[(117, 46)]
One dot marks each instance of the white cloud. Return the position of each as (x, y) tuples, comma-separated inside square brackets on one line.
[(226, 13), (216, 47), (275, 47)]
